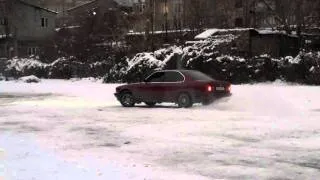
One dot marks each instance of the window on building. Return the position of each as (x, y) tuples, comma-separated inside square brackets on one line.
[(33, 51), (238, 22), (44, 22), (142, 7), (239, 4), (3, 21)]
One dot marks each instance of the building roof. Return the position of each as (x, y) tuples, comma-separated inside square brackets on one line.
[(38, 7), (125, 3), (82, 5), (210, 32)]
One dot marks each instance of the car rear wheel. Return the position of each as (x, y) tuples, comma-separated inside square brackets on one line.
[(184, 100), (150, 104), (127, 99)]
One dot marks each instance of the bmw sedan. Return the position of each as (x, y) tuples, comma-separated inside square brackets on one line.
[(183, 87)]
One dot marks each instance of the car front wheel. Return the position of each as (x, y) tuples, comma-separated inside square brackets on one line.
[(184, 100), (127, 99)]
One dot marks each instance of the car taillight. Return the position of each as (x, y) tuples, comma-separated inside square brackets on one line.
[(209, 88)]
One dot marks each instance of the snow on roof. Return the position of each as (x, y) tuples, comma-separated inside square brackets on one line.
[(130, 33), (209, 32), (275, 32), (33, 5), (271, 31), (206, 34), (81, 5), (67, 27)]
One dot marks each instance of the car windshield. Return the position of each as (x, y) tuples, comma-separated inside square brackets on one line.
[(198, 76)]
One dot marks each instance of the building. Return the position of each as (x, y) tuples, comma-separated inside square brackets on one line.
[(98, 8), (25, 28)]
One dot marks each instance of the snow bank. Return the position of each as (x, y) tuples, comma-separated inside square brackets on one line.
[(62, 68), (30, 79), (24, 63)]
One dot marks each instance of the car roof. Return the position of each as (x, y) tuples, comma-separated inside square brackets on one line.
[(182, 71), (178, 70)]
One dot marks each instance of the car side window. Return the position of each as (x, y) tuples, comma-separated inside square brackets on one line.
[(156, 77), (173, 77)]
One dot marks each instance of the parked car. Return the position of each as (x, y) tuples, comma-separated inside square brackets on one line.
[(183, 87)]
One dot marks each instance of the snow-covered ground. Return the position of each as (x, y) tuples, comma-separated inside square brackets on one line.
[(77, 130)]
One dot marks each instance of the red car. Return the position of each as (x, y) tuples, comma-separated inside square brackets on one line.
[(183, 87)]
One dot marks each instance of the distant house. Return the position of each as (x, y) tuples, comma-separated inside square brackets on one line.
[(25, 28)]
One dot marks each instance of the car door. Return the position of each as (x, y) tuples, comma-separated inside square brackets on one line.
[(152, 90), (173, 82)]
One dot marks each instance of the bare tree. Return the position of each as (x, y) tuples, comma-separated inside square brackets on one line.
[(196, 14), (294, 14)]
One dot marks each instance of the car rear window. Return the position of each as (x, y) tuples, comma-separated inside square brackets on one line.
[(173, 76), (198, 76)]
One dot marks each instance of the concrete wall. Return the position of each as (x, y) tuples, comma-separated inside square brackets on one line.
[(27, 22)]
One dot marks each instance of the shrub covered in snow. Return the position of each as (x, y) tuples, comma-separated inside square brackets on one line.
[(116, 73), (304, 68), (26, 67), (141, 65), (30, 79), (67, 68), (62, 68)]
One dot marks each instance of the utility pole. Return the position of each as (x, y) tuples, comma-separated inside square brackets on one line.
[(150, 17), (166, 18), (153, 16)]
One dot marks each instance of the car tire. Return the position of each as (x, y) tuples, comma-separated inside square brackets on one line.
[(184, 100), (127, 99), (150, 104)]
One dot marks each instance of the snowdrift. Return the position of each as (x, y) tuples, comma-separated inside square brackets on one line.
[(62, 68)]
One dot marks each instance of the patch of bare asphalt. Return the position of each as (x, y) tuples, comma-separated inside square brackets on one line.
[(102, 137), (310, 163), (19, 126), (243, 139), (11, 123)]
